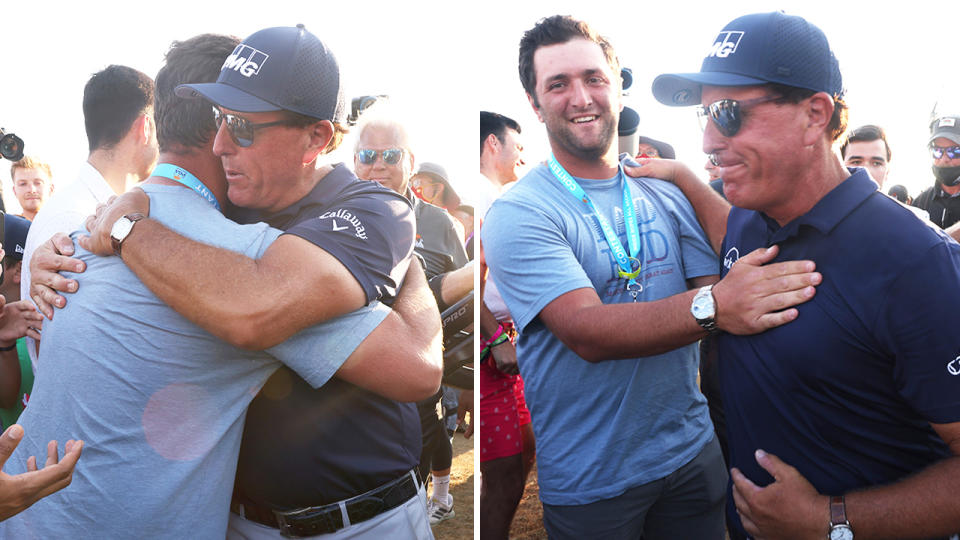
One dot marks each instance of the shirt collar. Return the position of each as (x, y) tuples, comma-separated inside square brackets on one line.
[(832, 208)]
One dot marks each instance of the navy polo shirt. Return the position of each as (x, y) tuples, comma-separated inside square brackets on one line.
[(846, 392), (304, 446), (367, 227)]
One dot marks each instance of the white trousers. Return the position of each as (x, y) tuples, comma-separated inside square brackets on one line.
[(407, 521)]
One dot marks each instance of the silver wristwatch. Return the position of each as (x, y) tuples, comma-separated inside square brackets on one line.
[(121, 229), (703, 309)]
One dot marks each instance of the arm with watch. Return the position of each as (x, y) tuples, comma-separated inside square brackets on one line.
[(923, 505), (250, 303), (754, 296)]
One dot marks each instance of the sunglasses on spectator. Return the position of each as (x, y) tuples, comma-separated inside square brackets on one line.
[(953, 152), (727, 114), (241, 130), (390, 157)]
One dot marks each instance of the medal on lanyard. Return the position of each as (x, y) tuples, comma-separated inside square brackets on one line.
[(628, 266), (179, 174)]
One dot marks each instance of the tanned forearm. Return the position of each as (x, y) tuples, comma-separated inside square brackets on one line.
[(457, 284), (921, 506), (9, 378), (711, 209), (251, 303), (954, 231), (598, 332), (403, 358)]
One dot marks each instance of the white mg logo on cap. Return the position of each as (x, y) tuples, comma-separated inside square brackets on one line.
[(246, 60), (727, 43), (948, 122)]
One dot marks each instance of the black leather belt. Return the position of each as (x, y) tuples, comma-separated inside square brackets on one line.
[(326, 519)]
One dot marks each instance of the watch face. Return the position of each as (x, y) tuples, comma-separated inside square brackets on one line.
[(121, 228), (702, 307), (841, 532)]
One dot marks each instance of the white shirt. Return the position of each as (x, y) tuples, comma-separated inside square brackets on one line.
[(489, 192), (65, 211)]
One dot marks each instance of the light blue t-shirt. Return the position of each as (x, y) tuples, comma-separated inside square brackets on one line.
[(158, 401), (601, 428)]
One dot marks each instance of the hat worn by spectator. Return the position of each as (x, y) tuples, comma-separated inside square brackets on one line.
[(280, 68), (758, 49), (947, 127), (15, 229), (436, 171), (666, 150)]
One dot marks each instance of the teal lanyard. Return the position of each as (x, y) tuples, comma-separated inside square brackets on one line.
[(179, 174), (628, 266)]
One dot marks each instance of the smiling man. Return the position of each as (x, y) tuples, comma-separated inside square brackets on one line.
[(607, 336), (847, 421)]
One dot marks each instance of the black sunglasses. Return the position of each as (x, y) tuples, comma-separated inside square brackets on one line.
[(240, 129), (953, 152), (390, 157), (727, 114)]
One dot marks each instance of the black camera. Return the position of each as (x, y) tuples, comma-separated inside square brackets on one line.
[(11, 146), (360, 104)]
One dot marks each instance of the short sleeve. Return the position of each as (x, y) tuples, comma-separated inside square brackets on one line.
[(317, 352), (529, 258), (919, 324), (371, 234)]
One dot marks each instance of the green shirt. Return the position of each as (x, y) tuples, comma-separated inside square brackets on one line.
[(9, 416)]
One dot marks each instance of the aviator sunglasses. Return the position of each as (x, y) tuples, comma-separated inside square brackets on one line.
[(390, 157), (953, 152), (240, 129), (727, 114)]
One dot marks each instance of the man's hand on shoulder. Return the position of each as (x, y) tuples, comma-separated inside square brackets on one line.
[(664, 169), (100, 224), (755, 296), (45, 280)]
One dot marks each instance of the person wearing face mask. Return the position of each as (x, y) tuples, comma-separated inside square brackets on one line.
[(942, 200)]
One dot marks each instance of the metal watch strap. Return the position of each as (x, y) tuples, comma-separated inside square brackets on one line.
[(115, 243)]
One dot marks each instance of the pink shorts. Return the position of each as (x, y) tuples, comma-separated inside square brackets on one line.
[(503, 410), (499, 419)]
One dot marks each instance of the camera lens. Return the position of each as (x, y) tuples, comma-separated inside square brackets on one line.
[(11, 147)]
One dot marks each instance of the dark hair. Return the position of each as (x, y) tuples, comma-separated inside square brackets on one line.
[(838, 122), (497, 124), (865, 134), (112, 100), (182, 122), (899, 193), (466, 209), (553, 31)]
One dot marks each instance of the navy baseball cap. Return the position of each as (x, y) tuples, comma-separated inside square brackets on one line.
[(757, 49), (15, 229), (947, 127), (280, 68)]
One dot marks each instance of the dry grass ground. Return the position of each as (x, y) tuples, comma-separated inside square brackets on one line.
[(460, 527)]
